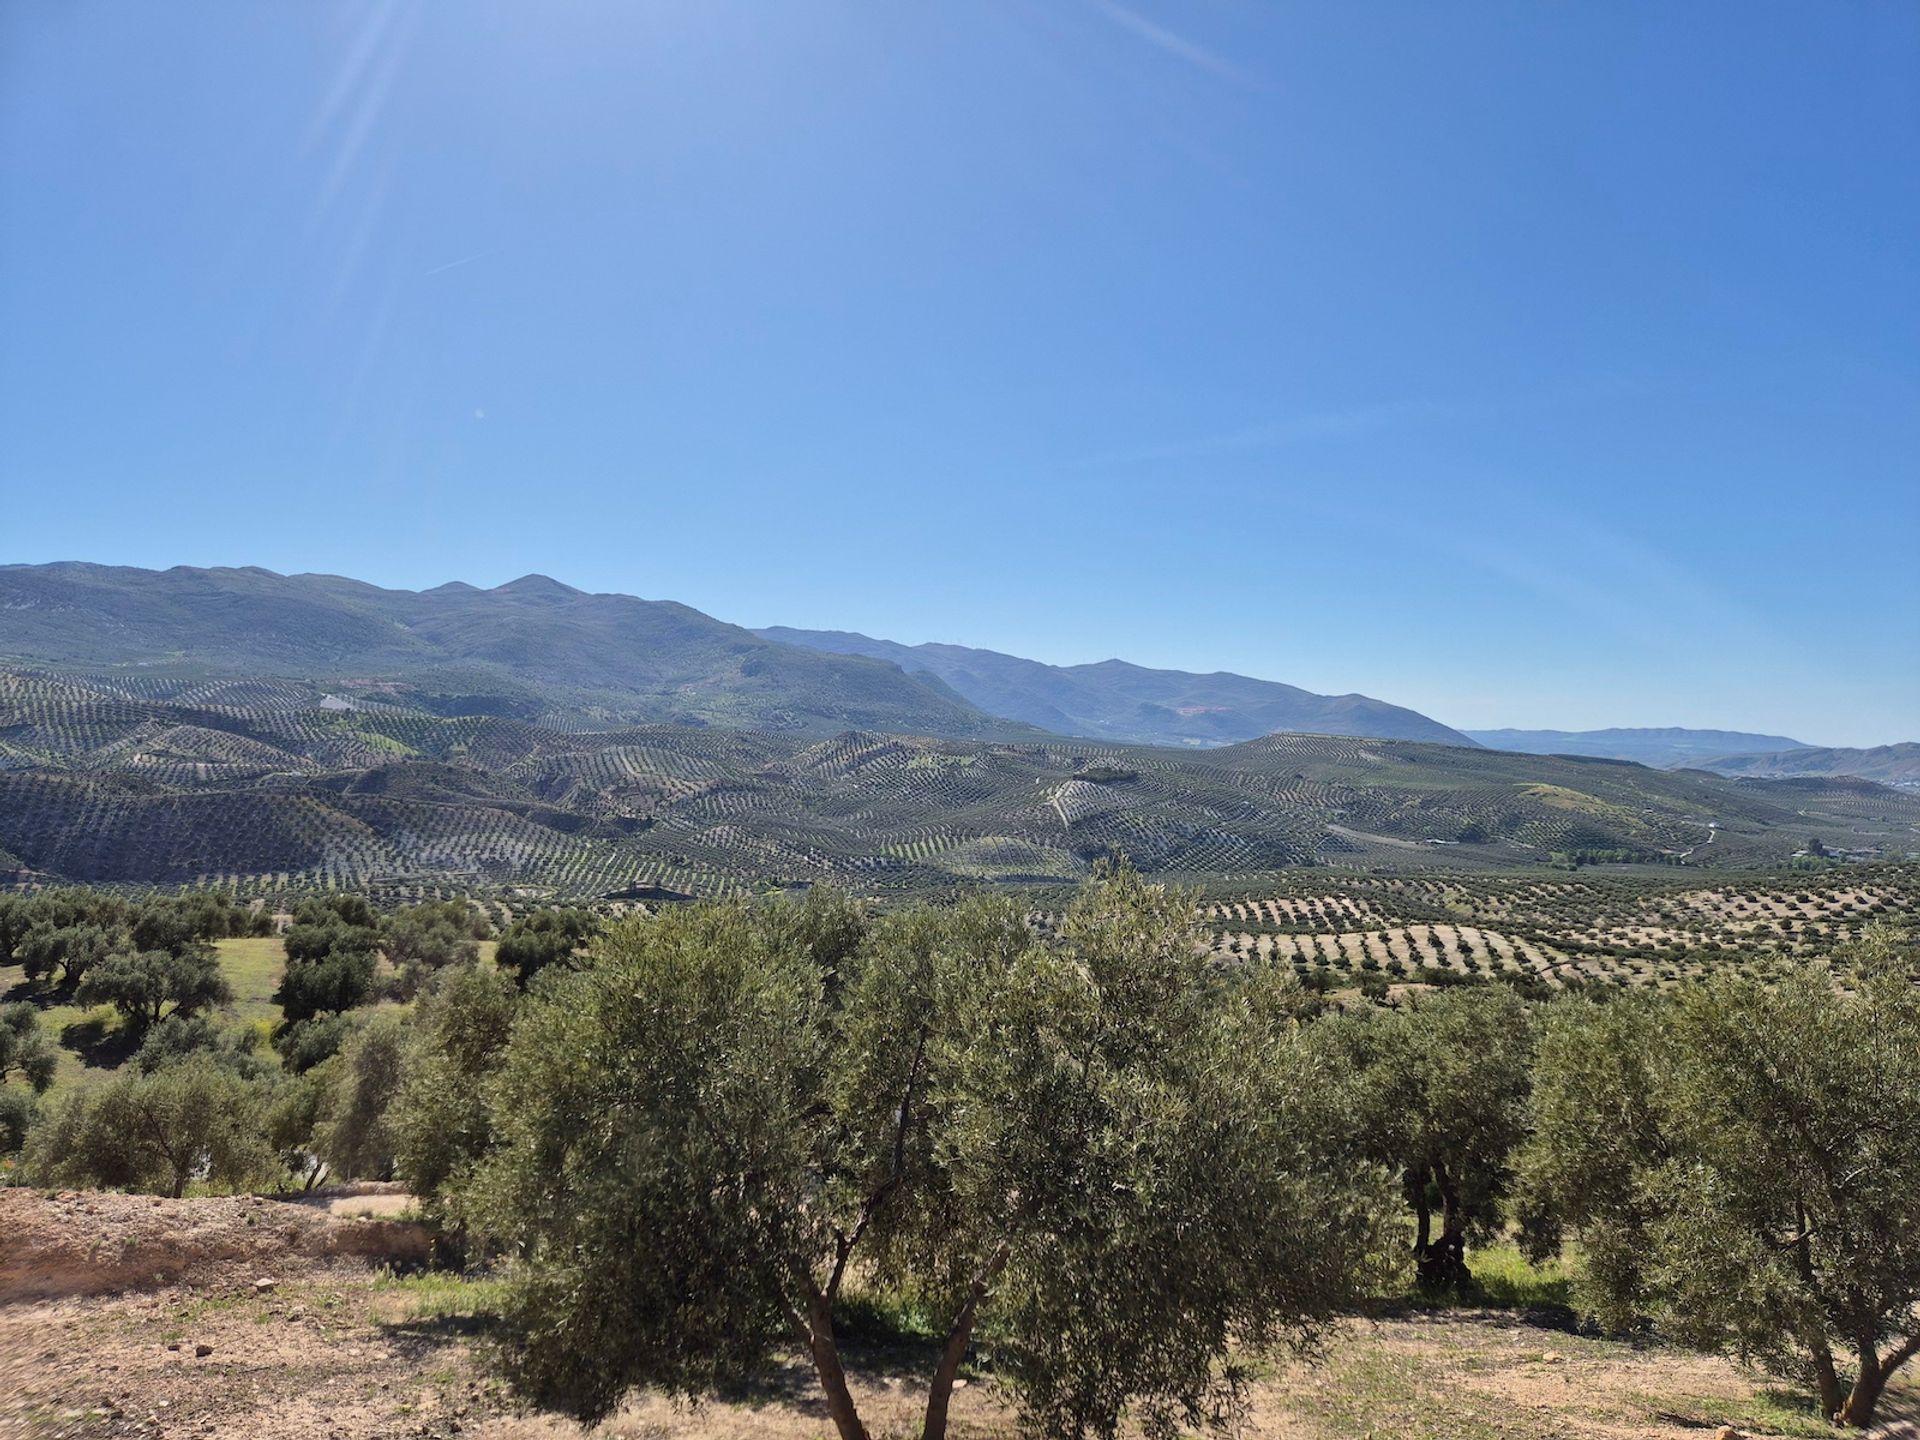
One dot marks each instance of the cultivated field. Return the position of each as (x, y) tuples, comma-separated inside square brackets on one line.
[(260, 787)]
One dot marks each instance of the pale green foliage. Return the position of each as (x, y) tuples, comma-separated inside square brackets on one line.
[(1746, 1165), (25, 1050), (1116, 1160), (1167, 1167), (438, 1119), (657, 1157), (351, 1132), (196, 1120)]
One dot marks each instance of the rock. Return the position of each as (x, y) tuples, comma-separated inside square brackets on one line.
[(1727, 1432), (1553, 1357), (200, 1352), (173, 1344), (264, 1286)]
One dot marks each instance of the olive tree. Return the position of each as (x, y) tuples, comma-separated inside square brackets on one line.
[(25, 1053), (1742, 1164), (154, 985), (1101, 1156), (351, 1133), (439, 1117), (546, 937), (24, 1048), (193, 1120), (331, 956), (1443, 1083), (420, 940)]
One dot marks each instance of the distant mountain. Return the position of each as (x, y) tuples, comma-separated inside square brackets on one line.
[(1113, 700), (1661, 748), (1888, 764), (533, 649)]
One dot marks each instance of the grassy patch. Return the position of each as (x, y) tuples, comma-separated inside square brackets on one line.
[(1376, 1391), (253, 965), (1770, 1411), (438, 1295), (1503, 1277)]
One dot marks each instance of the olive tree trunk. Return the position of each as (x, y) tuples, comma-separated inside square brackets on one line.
[(940, 1393), (1871, 1382), (817, 1327)]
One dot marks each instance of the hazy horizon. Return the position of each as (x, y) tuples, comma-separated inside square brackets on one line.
[(1545, 368), (1383, 692)]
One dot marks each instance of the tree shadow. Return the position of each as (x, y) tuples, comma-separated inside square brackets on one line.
[(99, 1042)]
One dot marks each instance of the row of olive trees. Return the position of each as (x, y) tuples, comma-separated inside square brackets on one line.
[(1126, 1164), (1120, 1164)]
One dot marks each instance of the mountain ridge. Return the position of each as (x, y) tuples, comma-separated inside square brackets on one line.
[(1660, 746), (1119, 701), (532, 647), (1896, 764)]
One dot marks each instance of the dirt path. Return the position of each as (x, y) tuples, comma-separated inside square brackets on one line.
[(248, 1318)]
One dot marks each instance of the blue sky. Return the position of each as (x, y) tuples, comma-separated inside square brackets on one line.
[(1544, 365)]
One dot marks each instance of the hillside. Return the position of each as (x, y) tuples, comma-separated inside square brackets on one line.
[(266, 786), (1113, 700), (533, 649), (1663, 747), (1887, 764)]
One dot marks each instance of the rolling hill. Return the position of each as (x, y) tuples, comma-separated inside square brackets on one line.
[(1113, 700), (261, 786), (1659, 747)]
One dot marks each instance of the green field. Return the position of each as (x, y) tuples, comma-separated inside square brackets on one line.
[(91, 1046)]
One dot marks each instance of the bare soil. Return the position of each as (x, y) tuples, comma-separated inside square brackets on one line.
[(243, 1318)]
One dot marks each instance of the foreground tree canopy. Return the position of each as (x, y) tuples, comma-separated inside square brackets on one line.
[(1742, 1163), (1111, 1167), (1119, 1160)]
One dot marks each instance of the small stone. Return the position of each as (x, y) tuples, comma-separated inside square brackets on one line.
[(264, 1286), (1727, 1432), (173, 1344), (1553, 1357), (200, 1352)]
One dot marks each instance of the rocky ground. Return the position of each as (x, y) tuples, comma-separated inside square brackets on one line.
[(124, 1316)]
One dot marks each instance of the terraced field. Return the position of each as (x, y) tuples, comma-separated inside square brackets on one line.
[(268, 786)]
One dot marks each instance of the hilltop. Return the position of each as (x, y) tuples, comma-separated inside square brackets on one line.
[(1115, 700)]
